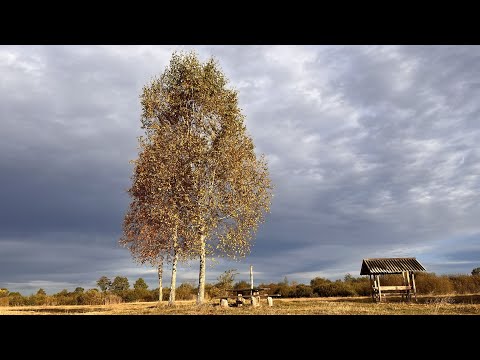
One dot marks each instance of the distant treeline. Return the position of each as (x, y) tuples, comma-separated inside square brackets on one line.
[(119, 290)]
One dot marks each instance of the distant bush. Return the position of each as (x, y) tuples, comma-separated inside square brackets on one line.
[(93, 297), (166, 294), (303, 291), (241, 285), (16, 299), (144, 295), (337, 288), (431, 284), (4, 300), (361, 285), (391, 279), (213, 291), (465, 284), (112, 299), (185, 292)]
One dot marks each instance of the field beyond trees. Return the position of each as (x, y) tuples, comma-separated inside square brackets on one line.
[(426, 305)]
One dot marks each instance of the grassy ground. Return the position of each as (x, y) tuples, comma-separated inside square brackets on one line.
[(458, 305)]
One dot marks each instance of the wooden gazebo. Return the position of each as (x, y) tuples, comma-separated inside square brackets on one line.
[(374, 268)]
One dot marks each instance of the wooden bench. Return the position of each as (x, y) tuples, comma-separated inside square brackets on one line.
[(403, 290)]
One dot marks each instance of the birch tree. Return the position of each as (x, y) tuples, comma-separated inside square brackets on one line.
[(223, 187), (152, 227)]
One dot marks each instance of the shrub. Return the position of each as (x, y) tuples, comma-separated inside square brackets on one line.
[(112, 299), (93, 297), (4, 301), (241, 285), (16, 299), (431, 284), (185, 292), (361, 285), (465, 284), (303, 291), (166, 294), (142, 295), (213, 291)]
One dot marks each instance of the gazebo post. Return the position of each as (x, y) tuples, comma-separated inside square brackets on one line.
[(379, 289), (371, 287), (408, 284), (414, 287)]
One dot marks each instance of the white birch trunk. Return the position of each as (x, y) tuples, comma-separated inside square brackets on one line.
[(173, 284), (201, 277), (160, 279)]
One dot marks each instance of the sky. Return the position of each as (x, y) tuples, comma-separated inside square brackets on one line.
[(373, 152)]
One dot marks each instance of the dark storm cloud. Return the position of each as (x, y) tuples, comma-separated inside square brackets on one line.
[(372, 150)]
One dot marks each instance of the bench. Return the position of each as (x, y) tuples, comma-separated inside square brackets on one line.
[(403, 290)]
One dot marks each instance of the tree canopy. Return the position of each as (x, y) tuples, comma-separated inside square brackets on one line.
[(120, 283), (104, 283), (140, 284)]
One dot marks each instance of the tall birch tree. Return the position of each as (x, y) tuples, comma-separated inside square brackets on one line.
[(224, 186)]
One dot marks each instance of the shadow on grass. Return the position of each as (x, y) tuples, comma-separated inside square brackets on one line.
[(453, 299)]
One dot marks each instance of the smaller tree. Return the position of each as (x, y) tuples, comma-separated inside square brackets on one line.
[(120, 283), (79, 290), (140, 284), (41, 292), (104, 283), (476, 271), (226, 280)]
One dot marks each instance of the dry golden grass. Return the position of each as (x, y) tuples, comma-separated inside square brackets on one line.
[(319, 306)]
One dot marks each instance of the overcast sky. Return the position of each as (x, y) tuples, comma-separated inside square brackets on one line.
[(373, 151)]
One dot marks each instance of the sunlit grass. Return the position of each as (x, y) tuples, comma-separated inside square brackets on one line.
[(317, 306)]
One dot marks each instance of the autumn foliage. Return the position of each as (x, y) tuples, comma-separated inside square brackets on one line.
[(198, 187)]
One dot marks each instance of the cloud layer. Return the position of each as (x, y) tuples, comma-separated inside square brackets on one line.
[(372, 150)]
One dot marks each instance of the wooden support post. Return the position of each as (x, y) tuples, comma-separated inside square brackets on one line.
[(371, 287), (254, 300), (404, 283), (408, 284), (270, 301), (414, 287)]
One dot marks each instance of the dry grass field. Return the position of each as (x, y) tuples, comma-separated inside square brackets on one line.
[(448, 305)]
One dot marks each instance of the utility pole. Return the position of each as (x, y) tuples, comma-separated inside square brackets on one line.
[(251, 279)]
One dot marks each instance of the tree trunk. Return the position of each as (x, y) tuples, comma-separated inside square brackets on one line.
[(160, 279), (173, 284), (201, 277)]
